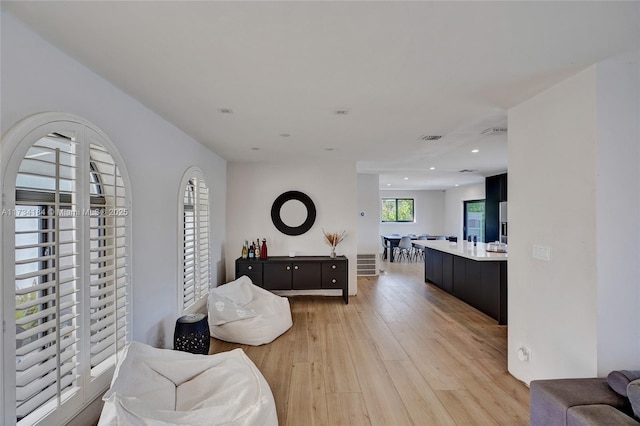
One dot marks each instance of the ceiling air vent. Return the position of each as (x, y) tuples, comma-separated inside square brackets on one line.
[(429, 137), (467, 171), (494, 130)]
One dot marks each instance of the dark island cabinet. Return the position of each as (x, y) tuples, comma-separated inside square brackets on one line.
[(438, 267), (481, 284), (297, 273), (447, 272)]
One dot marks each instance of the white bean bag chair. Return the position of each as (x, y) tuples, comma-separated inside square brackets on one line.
[(241, 312), (154, 386)]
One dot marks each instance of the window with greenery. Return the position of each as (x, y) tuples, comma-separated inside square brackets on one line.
[(397, 210), (66, 264), (474, 219)]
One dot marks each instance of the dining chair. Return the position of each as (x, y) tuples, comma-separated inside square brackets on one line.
[(419, 250), (405, 248), (385, 246)]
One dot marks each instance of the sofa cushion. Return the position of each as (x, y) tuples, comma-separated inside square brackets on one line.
[(619, 379), (597, 415), (633, 391), (550, 399)]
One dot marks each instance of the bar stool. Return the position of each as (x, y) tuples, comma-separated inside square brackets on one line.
[(192, 334)]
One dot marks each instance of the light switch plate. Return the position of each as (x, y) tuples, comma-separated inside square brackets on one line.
[(542, 253)]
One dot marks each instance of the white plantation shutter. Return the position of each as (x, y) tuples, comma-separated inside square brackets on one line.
[(66, 200), (108, 256), (202, 212), (195, 257), (189, 247), (46, 274)]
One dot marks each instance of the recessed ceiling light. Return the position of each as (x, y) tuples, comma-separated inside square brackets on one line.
[(255, 149), (475, 150), (456, 185), (429, 137), (432, 168), (225, 111), (388, 184), (285, 135), (406, 178)]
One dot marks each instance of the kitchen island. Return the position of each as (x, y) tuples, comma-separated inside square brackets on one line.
[(470, 273)]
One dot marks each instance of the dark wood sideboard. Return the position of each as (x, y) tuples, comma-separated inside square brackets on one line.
[(297, 273)]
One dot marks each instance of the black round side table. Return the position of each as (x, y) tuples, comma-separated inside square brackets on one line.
[(192, 334)]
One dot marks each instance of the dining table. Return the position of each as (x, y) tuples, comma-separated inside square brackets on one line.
[(392, 241)]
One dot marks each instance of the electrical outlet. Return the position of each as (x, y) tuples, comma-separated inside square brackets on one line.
[(524, 354), (542, 253)]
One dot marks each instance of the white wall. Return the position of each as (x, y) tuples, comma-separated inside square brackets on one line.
[(454, 199), (369, 204), (429, 213), (36, 77), (253, 187), (570, 172), (618, 211)]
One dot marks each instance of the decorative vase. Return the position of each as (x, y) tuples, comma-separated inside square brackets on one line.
[(333, 252)]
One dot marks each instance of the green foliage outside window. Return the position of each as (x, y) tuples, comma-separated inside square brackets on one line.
[(397, 210), (21, 313)]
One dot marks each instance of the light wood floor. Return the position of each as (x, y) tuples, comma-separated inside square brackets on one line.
[(402, 352)]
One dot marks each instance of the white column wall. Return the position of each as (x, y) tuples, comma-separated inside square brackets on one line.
[(369, 214), (573, 187), (618, 210)]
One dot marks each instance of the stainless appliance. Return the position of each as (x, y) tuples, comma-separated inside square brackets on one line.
[(503, 222)]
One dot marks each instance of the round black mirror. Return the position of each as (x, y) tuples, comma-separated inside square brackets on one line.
[(293, 210)]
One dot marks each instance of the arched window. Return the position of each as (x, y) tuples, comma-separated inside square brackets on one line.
[(66, 220), (195, 262)]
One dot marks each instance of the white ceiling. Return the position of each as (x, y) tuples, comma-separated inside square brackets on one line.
[(401, 69)]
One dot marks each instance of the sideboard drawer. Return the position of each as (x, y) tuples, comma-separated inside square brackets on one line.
[(334, 274)]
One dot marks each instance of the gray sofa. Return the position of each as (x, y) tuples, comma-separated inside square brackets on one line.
[(614, 400)]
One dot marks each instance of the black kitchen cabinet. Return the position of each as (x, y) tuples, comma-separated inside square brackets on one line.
[(297, 273)]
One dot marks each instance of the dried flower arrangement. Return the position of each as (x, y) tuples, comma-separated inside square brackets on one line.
[(334, 238)]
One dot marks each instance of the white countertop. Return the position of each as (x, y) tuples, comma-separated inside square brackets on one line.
[(463, 249)]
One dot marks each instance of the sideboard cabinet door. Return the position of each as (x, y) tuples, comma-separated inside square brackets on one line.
[(251, 269), (306, 275), (277, 276)]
